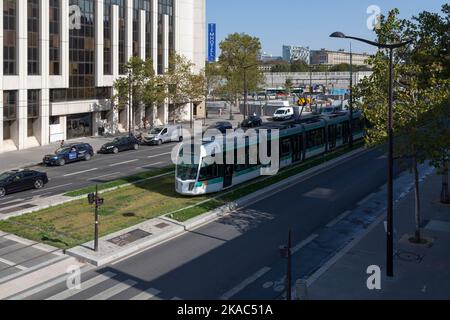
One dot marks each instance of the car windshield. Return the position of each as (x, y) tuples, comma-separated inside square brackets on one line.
[(62, 150), (156, 131), (5, 175), (280, 112)]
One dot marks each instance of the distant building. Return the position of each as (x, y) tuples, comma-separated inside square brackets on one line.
[(266, 57), (295, 53), (332, 58)]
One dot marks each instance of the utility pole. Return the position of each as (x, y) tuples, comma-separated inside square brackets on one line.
[(350, 126), (94, 199), (129, 101)]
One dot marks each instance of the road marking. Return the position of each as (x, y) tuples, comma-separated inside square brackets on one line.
[(79, 172), (11, 201), (84, 286), (159, 155), (146, 295), (118, 288), (56, 187), (370, 196), (339, 218), (304, 243), (12, 264), (244, 284), (120, 163), (104, 176)]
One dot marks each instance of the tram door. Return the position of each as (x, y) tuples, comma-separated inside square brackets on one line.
[(228, 175), (297, 149), (332, 136)]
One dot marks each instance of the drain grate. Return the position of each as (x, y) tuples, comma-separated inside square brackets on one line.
[(129, 237), (162, 225)]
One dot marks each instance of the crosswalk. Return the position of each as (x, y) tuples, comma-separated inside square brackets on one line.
[(104, 286)]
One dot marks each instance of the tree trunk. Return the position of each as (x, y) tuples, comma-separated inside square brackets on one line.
[(418, 237), (445, 194)]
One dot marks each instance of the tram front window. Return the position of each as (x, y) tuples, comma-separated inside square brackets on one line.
[(187, 172)]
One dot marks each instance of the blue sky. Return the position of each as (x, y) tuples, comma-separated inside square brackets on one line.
[(307, 23)]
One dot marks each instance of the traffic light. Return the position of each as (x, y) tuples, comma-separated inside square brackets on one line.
[(91, 198)]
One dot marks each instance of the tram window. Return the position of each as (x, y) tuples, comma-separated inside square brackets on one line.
[(208, 172), (286, 147), (315, 138)]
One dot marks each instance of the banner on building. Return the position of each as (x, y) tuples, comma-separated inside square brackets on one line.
[(211, 42)]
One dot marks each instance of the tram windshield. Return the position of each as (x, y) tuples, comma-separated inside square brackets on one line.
[(187, 165)]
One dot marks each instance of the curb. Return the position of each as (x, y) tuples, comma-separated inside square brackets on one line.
[(206, 218)]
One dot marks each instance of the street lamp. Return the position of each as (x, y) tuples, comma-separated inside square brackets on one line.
[(390, 199), (246, 88)]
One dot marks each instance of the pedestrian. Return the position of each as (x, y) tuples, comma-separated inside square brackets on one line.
[(62, 143), (220, 112)]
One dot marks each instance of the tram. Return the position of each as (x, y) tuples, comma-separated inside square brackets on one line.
[(199, 172)]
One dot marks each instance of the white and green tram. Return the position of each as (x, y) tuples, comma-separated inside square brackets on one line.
[(298, 141)]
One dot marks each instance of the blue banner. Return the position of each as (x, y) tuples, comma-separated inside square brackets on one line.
[(211, 42)]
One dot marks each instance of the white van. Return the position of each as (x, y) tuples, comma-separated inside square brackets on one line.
[(160, 135), (282, 114)]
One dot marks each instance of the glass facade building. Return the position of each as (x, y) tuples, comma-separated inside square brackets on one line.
[(33, 37), (10, 37)]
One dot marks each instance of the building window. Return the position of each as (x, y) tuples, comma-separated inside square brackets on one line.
[(122, 57), (55, 40), (9, 105), (33, 103), (9, 37), (33, 37), (165, 7), (99, 93), (54, 120), (107, 34), (139, 5)]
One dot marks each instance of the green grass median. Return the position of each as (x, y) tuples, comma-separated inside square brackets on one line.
[(71, 224)]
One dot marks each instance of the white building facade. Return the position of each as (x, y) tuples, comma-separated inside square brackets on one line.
[(60, 58)]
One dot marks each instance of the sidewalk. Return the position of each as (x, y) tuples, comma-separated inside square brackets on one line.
[(421, 272)]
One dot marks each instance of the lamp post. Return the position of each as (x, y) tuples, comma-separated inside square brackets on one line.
[(350, 124), (390, 197), (246, 88), (129, 102)]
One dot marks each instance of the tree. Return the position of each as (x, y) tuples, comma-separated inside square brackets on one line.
[(182, 85), (342, 67), (288, 85), (140, 86), (413, 103), (299, 66), (239, 64), (213, 78)]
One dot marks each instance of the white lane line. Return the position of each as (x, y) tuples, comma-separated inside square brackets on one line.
[(79, 172), (370, 196), (84, 286), (304, 243), (12, 264), (159, 155), (56, 187), (244, 284), (339, 218), (120, 163), (104, 295), (104, 176), (146, 295), (8, 202)]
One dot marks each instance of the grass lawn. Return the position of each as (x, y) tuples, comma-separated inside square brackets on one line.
[(71, 224)]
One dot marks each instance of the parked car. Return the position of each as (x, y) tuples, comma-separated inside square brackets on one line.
[(120, 144), (283, 114), (69, 153), (252, 122), (160, 135), (222, 126), (330, 110), (20, 180)]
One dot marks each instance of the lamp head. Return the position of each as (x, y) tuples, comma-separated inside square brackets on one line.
[(337, 35)]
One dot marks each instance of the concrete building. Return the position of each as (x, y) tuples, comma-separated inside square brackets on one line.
[(333, 58), (295, 53), (60, 59)]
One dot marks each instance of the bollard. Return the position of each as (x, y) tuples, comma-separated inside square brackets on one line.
[(301, 289)]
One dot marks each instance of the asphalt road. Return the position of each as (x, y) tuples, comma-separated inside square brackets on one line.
[(102, 168), (220, 256)]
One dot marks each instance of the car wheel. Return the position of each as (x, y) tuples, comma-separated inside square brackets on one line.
[(38, 184), (136, 146), (116, 150), (62, 162), (87, 157), (2, 192), (159, 142)]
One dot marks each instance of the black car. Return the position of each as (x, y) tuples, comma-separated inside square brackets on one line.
[(20, 180), (120, 144), (222, 126), (69, 153), (252, 122)]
